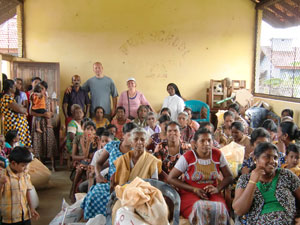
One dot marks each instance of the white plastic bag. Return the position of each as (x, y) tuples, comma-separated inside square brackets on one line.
[(98, 220), (34, 197), (68, 214), (127, 216), (234, 154)]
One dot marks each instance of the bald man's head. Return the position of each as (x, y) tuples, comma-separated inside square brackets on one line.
[(98, 69)]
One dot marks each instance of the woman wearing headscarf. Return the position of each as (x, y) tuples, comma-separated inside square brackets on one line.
[(174, 101)]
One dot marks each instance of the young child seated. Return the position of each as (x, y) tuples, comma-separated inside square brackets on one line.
[(38, 99), (292, 159), (83, 150), (11, 140), (103, 137), (15, 202), (119, 121), (3, 160)]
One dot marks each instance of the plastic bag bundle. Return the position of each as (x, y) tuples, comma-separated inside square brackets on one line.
[(234, 154), (34, 197), (68, 214), (147, 201), (126, 215), (98, 220)]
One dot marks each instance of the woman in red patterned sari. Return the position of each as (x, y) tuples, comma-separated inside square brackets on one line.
[(201, 201)]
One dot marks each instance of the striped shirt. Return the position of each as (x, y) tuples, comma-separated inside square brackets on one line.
[(13, 203)]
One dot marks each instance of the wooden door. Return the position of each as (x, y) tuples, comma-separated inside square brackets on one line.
[(48, 72)]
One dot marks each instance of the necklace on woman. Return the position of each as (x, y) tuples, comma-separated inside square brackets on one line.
[(266, 186), (270, 185), (132, 96)]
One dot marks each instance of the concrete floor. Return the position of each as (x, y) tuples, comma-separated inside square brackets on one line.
[(50, 199)]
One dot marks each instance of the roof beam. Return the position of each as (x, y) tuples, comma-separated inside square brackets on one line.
[(274, 21), (269, 18), (290, 8), (265, 3), (278, 12), (8, 15)]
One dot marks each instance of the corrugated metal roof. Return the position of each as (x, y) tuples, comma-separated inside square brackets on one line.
[(282, 59)]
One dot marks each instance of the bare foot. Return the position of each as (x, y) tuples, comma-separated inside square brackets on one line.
[(49, 126), (39, 130)]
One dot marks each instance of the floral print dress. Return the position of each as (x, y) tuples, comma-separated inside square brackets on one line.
[(168, 161), (287, 184)]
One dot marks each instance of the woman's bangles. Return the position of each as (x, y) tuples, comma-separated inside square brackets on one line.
[(252, 182)]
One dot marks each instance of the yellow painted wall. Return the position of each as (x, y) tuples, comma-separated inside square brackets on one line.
[(278, 106), (155, 41)]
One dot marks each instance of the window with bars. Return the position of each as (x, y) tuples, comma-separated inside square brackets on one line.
[(278, 72), (9, 37)]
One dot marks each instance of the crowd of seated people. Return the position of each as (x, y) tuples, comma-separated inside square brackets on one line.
[(110, 145), (199, 171), (188, 157)]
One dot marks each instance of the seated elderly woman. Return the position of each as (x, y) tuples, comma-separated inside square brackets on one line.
[(267, 195), (152, 126), (201, 201), (136, 163), (141, 119)]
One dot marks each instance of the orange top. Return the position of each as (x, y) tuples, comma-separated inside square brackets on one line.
[(38, 103)]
